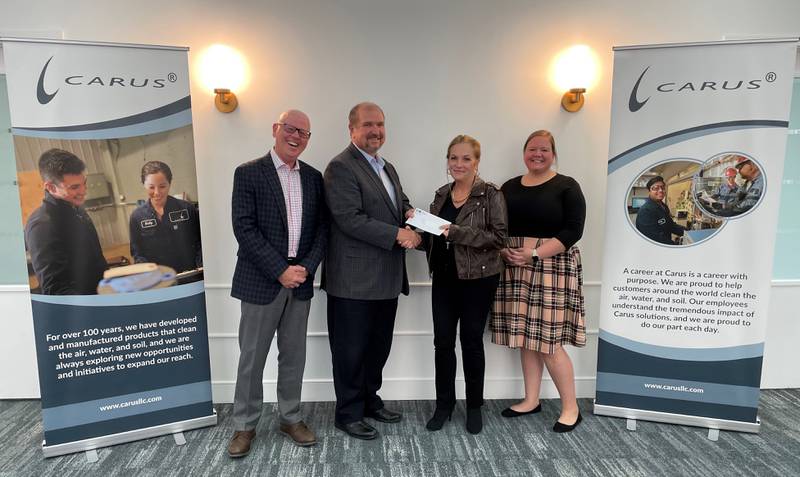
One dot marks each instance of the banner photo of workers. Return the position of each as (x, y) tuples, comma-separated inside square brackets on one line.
[(105, 161), (693, 173)]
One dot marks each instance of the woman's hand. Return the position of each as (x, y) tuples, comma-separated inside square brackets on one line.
[(445, 229), (519, 256)]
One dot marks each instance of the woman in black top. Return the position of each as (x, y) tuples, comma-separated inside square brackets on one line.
[(539, 306), (165, 230), (465, 264)]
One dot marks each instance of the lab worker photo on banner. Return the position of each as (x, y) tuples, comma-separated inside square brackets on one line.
[(106, 216), (661, 208)]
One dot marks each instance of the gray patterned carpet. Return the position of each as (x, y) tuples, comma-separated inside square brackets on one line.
[(522, 447)]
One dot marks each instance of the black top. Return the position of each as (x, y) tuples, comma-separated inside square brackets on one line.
[(443, 257), (65, 251), (173, 241), (554, 209), (655, 222)]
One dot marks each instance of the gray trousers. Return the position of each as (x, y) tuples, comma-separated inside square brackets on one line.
[(289, 316)]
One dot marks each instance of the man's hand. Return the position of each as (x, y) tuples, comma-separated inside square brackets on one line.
[(407, 238), (293, 276), (409, 213)]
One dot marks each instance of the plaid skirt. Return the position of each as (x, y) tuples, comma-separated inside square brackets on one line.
[(540, 307)]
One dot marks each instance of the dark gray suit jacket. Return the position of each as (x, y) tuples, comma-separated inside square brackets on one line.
[(364, 262)]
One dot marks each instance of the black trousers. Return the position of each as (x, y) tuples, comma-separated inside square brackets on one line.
[(360, 334), (467, 301)]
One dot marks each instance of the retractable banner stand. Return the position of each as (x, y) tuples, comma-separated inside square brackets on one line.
[(105, 160), (698, 133)]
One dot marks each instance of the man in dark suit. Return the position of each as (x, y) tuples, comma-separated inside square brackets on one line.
[(279, 220), (365, 270)]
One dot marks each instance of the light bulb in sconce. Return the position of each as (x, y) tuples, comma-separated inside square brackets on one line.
[(224, 71), (574, 70)]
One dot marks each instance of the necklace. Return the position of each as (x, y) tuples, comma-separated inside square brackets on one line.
[(466, 196), (456, 201)]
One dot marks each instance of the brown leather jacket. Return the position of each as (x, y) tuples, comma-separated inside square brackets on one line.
[(479, 231)]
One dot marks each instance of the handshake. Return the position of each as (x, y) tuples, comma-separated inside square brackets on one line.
[(406, 237)]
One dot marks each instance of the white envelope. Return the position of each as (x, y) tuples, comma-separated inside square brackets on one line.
[(427, 222)]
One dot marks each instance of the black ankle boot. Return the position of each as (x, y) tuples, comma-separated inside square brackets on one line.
[(474, 420), (439, 416)]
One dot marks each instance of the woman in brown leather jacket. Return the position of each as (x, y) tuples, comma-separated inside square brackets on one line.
[(465, 264)]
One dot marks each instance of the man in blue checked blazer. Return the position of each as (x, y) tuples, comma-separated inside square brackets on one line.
[(279, 220)]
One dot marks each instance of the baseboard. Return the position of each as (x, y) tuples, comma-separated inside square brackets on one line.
[(402, 389)]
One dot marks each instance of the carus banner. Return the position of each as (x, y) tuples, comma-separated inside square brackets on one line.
[(698, 136), (105, 162)]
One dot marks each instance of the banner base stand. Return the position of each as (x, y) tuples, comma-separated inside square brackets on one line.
[(713, 435), (680, 419), (180, 439), (91, 456), (90, 445), (630, 425)]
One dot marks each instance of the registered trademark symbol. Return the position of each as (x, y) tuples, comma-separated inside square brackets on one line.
[(172, 77), (770, 77)]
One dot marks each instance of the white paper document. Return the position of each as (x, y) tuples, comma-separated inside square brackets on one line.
[(427, 222)]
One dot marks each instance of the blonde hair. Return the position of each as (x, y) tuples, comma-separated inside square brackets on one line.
[(463, 138)]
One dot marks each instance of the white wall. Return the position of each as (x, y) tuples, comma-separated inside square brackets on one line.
[(438, 69)]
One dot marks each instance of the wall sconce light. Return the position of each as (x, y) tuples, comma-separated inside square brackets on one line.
[(575, 71), (573, 99), (224, 100), (223, 70)]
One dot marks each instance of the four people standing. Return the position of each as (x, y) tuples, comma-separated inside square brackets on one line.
[(281, 225)]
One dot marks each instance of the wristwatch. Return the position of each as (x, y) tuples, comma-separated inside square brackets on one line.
[(534, 256)]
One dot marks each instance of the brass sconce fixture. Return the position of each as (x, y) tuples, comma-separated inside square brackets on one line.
[(225, 101), (573, 99), (574, 70), (223, 70)]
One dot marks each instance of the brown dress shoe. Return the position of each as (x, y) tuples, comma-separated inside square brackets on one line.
[(299, 433), (240, 443)]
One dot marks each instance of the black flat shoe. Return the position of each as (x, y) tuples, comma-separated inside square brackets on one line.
[(384, 415), (508, 412), (439, 416), (561, 427), (358, 429), (474, 420)]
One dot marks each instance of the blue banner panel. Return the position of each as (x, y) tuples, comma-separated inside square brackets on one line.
[(696, 148), (112, 362)]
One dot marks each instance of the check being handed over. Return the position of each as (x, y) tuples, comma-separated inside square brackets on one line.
[(427, 222)]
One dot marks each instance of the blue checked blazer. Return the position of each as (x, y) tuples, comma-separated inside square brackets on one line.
[(259, 223)]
